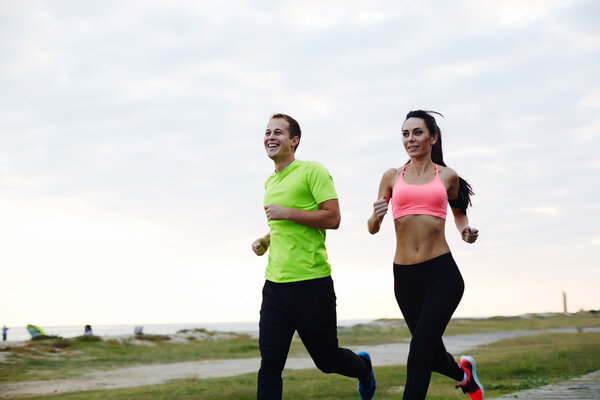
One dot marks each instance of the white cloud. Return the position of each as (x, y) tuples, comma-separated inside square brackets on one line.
[(139, 125), (550, 211), (591, 100), (514, 13)]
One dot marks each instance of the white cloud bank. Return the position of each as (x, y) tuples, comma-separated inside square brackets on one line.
[(131, 163)]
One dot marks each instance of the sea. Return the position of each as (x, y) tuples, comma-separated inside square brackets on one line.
[(17, 333)]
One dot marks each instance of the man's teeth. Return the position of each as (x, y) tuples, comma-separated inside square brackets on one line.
[(272, 145)]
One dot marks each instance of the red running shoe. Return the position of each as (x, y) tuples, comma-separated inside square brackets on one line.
[(473, 388)]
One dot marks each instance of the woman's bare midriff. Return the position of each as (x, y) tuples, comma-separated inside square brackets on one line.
[(419, 238)]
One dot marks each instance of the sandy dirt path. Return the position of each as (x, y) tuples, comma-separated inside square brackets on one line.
[(382, 355), (586, 387)]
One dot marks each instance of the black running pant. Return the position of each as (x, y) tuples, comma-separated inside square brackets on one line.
[(309, 308), (428, 293)]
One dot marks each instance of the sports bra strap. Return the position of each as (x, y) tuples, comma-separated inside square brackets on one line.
[(399, 172)]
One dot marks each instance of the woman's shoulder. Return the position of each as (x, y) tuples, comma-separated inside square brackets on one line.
[(389, 177), (449, 172), (390, 174)]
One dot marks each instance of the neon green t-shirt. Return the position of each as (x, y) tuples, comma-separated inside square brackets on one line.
[(297, 252)]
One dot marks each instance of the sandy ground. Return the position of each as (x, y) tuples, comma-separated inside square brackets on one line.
[(382, 355)]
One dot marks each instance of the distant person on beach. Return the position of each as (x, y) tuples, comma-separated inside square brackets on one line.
[(427, 282), (88, 330), (4, 333), (300, 203)]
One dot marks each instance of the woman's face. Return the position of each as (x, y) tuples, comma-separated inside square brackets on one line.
[(416, 138)]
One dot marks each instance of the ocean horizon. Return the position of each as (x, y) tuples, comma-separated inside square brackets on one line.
[(17, 333)]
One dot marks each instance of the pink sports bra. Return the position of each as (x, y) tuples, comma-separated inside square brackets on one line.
[(427, 199)]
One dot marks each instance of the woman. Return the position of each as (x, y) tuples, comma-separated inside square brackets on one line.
[(427, 282)]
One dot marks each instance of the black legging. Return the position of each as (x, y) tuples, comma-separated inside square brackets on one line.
[(309, 308), (428, 293)]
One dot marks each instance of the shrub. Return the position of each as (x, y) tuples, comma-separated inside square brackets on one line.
[(153, 338), (88, 338), (45, 337)]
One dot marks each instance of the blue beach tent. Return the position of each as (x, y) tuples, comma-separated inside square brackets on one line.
[(34, 330)]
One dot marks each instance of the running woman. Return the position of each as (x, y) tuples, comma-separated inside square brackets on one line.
[(300, 203), (427, 283)]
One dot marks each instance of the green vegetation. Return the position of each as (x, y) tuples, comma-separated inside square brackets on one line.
[(58, 358), (524, 322), (395, 330), (153, 338), (506, 366)]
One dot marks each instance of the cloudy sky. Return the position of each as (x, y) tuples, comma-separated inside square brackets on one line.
[(132, 166)]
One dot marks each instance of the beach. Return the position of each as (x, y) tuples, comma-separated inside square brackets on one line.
[(126, 362), (19, 333), (382, 355)]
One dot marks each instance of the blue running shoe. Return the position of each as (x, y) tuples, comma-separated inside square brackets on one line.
[(366, 386)]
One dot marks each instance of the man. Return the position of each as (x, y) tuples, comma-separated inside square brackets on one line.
[(300, 203)]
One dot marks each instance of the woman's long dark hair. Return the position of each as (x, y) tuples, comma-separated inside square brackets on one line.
[(437, 156)]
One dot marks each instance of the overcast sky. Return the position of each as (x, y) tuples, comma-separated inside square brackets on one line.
[(132, 165)]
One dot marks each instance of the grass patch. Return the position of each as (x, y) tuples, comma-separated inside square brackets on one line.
[(60, 358), (57, 358), (395, 330), (523, 322), (197, 330), (40, 338), (503, 367), (87, 338)]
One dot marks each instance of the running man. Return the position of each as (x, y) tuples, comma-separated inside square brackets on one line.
[(300, 203)]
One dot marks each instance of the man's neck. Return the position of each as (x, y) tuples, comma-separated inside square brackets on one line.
[(280, 165)]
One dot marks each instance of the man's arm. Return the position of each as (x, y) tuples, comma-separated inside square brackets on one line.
[(326, 217), (261, 245)]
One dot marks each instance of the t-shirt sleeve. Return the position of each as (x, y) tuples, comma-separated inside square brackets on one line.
[(321, 183)]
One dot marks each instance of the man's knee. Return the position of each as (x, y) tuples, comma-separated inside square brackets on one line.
[(272, 363), (326, 367), (326, 362)]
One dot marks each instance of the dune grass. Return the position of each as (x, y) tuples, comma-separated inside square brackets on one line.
[(395, 330), (67, 358), (58, 358), (506, 366)]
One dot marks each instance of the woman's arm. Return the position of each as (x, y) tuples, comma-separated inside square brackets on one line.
[(380, 207), (461, 220), (451, 182), (468, 233)]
